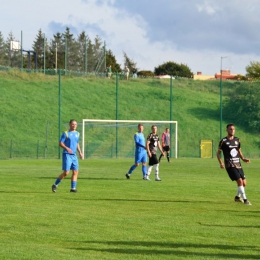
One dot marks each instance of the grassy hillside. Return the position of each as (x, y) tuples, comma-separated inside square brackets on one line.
[(30, 109)]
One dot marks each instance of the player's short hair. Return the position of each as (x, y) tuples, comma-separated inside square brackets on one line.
[(72, 120), (153, 126), (140, 125), (230, 124)]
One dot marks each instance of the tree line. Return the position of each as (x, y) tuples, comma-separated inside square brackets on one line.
[(63, 51), (80, 53)]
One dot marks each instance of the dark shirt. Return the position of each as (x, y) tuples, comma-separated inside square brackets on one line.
[(230, 150), (153, 138)]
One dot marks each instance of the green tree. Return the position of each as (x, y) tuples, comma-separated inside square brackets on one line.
[(56, 47), (12, 58), (111, 60), (145, 73), (99, 55), (253, 70), (173, 69), (38, 47), (82, 51), (129, 62), (91, 56), (2, 50), (71, 49), (240, 77), (243, 105)]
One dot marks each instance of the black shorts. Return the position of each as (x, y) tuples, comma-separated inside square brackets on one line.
[(235, 173), (153, 160), (166, 148)]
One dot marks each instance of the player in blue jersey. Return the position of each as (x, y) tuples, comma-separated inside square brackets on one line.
[(231, 148), (69, 141), (140, 153)]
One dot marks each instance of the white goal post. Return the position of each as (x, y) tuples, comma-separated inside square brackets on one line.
[(84, 121)]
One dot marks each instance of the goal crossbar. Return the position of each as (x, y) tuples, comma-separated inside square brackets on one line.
[(129, 121)]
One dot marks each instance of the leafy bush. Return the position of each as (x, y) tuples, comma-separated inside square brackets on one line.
[(145, 73), (243, 105), (173, 69)]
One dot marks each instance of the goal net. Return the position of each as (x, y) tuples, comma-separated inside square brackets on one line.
[(115, 138)]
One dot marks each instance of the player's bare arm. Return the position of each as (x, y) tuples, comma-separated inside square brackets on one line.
[(160, 148), (222, 165), (62, 145), (79, 151), (242, 157), (147, 148)]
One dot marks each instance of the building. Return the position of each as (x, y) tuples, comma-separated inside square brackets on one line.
[(199, 76), (225, 75)]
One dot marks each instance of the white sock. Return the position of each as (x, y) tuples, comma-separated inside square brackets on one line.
[(149, 170), (156, 171), (238, 192), (241, 190)]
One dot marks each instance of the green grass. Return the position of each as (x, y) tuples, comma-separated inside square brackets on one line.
[(189, 215)]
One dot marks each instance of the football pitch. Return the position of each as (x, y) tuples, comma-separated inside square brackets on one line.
[(190, 214)]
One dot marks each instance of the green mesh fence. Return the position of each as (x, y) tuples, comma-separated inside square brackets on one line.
[(195, 107)]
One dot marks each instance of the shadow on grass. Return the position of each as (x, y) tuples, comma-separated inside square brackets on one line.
[(121, 178), (169, 248), (204, 113), (146, 200), (22, 192), (74, 197), (88, 178), (227, 226)]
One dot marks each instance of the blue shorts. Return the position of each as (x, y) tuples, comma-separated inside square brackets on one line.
[(69, 162), (140, 157)]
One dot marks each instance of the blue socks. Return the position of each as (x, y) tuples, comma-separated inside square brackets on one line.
[(132, 169), (144, 170), (73, 185), (57, 182)]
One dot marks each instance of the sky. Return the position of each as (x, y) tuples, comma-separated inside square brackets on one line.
[(205, 35)]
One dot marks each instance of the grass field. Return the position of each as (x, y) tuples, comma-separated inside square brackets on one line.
[(190, 214)]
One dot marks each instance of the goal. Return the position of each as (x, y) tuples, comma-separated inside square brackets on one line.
[(114, 138)]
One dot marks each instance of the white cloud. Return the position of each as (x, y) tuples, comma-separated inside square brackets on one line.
[(207, 7), (195, 32)]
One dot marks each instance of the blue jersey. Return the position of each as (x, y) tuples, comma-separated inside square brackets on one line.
[(139, 143), (71, 140)]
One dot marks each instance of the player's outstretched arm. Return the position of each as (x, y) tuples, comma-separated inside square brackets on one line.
[(242, 157)]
